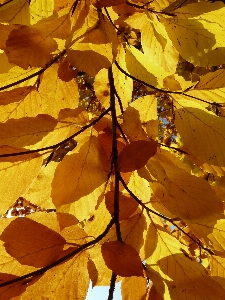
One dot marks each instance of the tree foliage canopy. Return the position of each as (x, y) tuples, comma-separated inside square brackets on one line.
[(112, 148)]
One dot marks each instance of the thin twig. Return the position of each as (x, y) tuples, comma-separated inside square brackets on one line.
[(57, 57), (120, 102), (162, 90), (60, 143), (121, 131), (162, 216), (170, 147)]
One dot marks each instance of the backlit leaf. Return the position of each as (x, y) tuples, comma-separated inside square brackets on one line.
[(133, 287), (122, 259), (32, 243), (174, 275), (150, 72), (90, 169), (135, 155), (203, 135), (16, 174)]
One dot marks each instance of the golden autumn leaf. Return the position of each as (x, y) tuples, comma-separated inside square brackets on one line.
[(133, 287), (17, 174), (94, 50), (90, 169), (122, 259), (149, 73), (135, 155), (112, 165), (204, 127), (57, 283), (32, 130), (179, 281)]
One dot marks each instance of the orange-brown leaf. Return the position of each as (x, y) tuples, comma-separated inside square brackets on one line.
[(32, 243), (127, 205), (135, 155), (122, 259)]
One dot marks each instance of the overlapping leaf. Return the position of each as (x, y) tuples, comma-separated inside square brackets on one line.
[(174, 275)]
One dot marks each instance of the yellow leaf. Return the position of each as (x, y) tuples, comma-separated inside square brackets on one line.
[(122, 259), (139, 186), (40, 10), (18, 74), (16, 175), (142, 67), (202, 132), (197, 32), (123, 84), (212, 80), (101, 87), (132, 126), (174, 275), (155, 41), (100, 272), (133, 287), (39, 192), (147, 108), (26, 131), (69, 280), (199, 201), (15, 12), (135, 155), (95, 225), (217, 268), (213, 231), (85, 181), (94, 50), (62, 94)]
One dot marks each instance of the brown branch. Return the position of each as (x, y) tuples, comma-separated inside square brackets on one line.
[(162, 216), (112, 286), (110, 20), (114, 153), (60, 143), (170, 147), (121, 131), (74, 6), (61, 260), (5, 3)]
